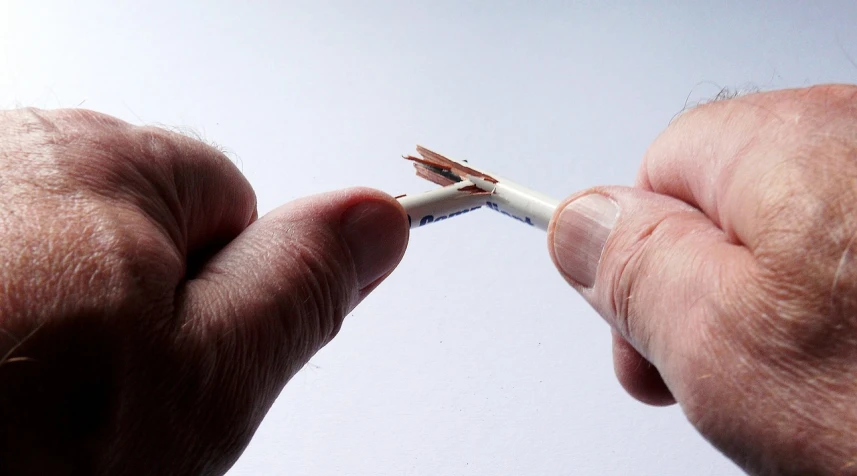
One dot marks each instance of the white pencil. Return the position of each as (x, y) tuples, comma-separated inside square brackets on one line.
[(442, 203), (468, 188)]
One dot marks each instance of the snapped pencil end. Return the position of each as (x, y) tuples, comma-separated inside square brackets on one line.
[(436, 165)]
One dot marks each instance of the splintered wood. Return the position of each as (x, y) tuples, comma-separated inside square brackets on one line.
[(442, 170)]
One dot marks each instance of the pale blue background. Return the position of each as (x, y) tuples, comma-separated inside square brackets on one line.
[(474, 358)]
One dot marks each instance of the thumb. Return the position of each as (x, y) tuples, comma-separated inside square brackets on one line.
[(654, 267), (279, 291)]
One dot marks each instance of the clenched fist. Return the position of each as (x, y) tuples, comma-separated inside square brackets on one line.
[(729, 275), (148, 320)]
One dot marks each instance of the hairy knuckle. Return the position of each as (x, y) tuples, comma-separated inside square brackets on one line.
[(169, 145), (157, 142), (806, 227), (807, 207)]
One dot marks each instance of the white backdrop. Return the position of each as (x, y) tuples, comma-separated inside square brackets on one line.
[(496, 368)]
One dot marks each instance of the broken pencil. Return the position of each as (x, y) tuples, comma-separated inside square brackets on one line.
[(466, 189)]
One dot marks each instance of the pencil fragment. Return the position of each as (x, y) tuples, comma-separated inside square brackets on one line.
[(438, 176), (442, 203), (459, 168), (442, 170)]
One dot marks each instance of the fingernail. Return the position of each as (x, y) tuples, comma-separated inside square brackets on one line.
[(375, 232), (580, 235)]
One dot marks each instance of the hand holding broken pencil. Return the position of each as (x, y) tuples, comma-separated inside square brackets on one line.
[(728, 274)]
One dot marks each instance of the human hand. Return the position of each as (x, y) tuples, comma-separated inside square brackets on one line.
[(729, 275), (148, 320)]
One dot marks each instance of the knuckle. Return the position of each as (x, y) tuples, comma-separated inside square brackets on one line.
[(633, 257), (322, 298), (126, 251), (649, 282), (622, 285), (171, 146), (183, 161), (157, 143), (307, 302), (806, 225)]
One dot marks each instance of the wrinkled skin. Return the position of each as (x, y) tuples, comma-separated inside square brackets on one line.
[(148, 320), (730, 280)]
